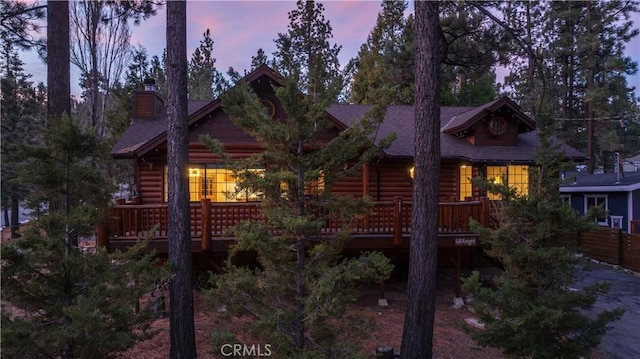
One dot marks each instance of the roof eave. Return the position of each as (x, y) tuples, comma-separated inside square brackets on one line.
[(593, 189)]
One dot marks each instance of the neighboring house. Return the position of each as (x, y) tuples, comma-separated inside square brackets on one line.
[(632, 164), (618, 195), (496, 140)]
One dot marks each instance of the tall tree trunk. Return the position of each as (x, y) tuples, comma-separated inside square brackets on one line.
[(530, 63), (182, 330), (94, 13), (590, 93), (15, 216), (5, 213), (417, 338), (300, 258), (58, 65)]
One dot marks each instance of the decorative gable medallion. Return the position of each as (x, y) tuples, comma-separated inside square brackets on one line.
[(497, 126), (270, 108)]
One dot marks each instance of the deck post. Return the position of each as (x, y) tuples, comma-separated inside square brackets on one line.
[(102, 236), (206, 224), (458, 285), (365, 193), (397, 221), (486, 208)]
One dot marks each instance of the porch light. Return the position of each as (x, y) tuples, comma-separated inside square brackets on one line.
[(194, 172), (411, 171)]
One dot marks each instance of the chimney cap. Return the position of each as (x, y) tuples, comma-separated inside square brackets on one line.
[(149, 84)]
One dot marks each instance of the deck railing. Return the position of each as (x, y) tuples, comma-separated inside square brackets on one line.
[(214, 220)]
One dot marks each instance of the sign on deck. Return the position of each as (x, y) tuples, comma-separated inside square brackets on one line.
[(465, 242)]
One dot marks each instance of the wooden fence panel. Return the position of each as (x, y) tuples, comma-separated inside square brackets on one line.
[(601, 244), (612, 246), (631, 251)]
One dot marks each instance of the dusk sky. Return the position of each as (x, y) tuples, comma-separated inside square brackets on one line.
[(240, 28)]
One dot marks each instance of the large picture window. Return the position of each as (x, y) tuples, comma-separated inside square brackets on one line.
[(215, 183), (516, 176)]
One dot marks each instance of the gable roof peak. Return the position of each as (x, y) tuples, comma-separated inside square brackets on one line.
[(466, 120)]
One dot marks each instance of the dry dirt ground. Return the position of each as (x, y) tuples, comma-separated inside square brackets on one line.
[(450, 341)]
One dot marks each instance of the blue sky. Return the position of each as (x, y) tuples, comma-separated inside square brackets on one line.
[(239, 28)]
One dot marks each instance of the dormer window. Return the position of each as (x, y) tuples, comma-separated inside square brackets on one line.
[(497, 126)]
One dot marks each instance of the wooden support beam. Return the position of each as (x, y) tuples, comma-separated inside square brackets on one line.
[(365, 193), (397, 220), (102, 236), (206, 224), (458, 273), (486, 209), (365, 180)]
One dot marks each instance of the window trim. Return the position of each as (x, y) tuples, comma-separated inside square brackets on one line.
[(465, 182), (605, 222)]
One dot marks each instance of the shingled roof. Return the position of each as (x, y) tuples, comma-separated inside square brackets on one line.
[(468, 119), (142, 131), (399, 120), (605, 182), (144, 134)]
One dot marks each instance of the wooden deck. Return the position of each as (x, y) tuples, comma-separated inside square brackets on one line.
[(387, 226)]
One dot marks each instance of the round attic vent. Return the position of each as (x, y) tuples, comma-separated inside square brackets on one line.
[(270, 107), (497, 126)]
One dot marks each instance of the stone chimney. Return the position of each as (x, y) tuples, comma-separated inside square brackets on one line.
[(147, 104)]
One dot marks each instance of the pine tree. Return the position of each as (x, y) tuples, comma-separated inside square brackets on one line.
[(531, 310), (61, 301), (159, 73), (378, 56), (297, 295), (475, 90), (470, 45), (202, 72), (19, 22), (525, 58), (569, 62), (23, 118), (258, 59), (60, 304)]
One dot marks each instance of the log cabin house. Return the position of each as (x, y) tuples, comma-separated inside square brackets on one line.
[(496, 140)]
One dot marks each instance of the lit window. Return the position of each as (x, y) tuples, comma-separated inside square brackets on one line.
[(313, 187), (517, 177), (497, 175), (466, 189), (215, 183)]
